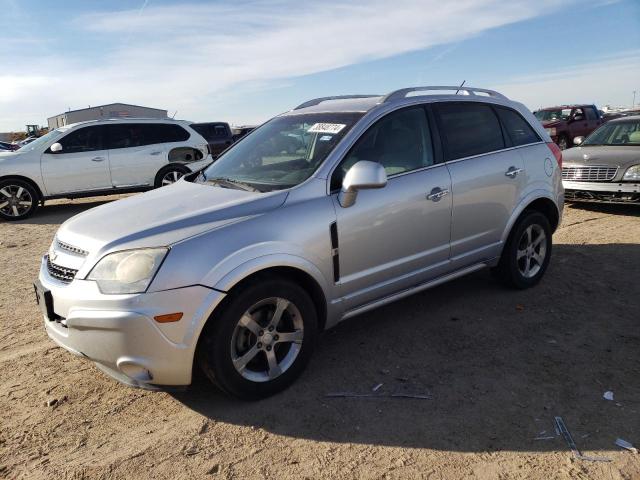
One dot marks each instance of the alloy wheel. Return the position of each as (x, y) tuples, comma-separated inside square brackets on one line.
[(15, 200), (531, 251), (171, 177), (267, 339)]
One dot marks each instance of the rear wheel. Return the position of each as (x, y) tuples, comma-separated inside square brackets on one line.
[(18, 199), (527, 252), (261, 340), (169, 175)]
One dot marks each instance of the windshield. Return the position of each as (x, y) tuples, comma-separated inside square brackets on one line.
[(43, 140), (282, 153), (618, 133), (551, 115)]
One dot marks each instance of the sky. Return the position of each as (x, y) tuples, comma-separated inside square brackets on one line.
[(244, 61)]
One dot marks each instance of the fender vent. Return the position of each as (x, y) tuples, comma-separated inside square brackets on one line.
[(335, 254)]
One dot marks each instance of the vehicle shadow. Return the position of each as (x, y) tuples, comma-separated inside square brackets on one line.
[(625, 209), (498, 364), (58, 211)]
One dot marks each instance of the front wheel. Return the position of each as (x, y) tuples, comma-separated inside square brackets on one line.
[(18, 199), (261, 340), (169, 175), (526, 255)]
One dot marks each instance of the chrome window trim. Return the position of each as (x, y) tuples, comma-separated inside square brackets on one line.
[(493, 152)]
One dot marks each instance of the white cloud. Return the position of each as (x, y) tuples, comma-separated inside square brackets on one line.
[(609, 81), (185, 56)]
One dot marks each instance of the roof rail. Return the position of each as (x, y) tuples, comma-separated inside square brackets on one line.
[(403, 92), (316, 101)]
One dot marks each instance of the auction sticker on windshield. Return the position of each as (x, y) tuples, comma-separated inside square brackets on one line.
[(326, 128)]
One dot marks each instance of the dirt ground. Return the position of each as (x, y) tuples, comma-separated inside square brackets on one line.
[(498, 366)]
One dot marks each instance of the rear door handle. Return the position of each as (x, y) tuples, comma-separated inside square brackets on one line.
[(156, 153), (513, 172), (437, 193), (97, 159)]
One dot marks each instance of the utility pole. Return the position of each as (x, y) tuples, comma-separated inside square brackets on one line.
[(633, 105)]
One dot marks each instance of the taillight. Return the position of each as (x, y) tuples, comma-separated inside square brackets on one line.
[(555, 149)]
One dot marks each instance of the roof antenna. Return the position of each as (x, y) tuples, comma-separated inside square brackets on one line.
[(460, 86), (174, 115)]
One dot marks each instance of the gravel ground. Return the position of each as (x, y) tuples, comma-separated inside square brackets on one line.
[(497, 364)]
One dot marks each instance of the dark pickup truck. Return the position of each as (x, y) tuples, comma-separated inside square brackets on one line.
[(566, 122), (217, 134)]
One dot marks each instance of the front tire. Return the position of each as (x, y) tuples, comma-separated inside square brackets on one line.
[(169, 175), (261, 340), (526, 255), (18, 199)]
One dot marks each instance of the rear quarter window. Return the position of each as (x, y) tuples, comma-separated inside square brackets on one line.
[(469, 129), (164, 133), (517, 128)]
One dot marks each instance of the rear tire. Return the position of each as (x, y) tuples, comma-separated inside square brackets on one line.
[(170, 174), (250, 351), (18, 199), (526, 254)]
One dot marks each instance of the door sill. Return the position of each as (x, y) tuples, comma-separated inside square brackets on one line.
[(415, 289)]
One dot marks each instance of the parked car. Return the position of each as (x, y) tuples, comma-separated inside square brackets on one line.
[(9, 146), (569, 121), (218, 135), (237, 269), (241, 131), (98, 158), (606, 165)]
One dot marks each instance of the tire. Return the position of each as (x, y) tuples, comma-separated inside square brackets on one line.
[(18, 199), (563, 142), (526, 255), (169, 175), (241, 355)]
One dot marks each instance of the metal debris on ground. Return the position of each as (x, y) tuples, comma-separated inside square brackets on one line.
[(562, 428), (624, 444), (377, 387), (608, 395), (378, 395)]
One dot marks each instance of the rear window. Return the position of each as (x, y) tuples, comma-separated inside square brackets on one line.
[(469, 129), (517, 128), (128, 135)]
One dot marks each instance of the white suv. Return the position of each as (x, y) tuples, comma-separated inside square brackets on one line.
[(98, 158)]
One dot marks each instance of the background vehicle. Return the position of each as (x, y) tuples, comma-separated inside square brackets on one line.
[(217, 134), (568, 121), (98, 158), (383, 196), (606, 165), (241, 131), (9, 146)]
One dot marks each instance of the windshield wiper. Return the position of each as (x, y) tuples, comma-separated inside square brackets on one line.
[(229, 182)]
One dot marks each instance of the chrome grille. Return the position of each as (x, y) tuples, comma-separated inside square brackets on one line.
[(63, 274), (595, 173), (71, 249)]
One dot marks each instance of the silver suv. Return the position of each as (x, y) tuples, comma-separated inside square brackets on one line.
[(332, 209)]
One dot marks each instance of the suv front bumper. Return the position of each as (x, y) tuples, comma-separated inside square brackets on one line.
[(119, 333)]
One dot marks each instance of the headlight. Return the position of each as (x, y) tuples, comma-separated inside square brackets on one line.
[(130, 271), (551, 131), (632, 174)]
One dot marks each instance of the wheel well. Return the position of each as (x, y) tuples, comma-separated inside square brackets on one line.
[(298, 276), (548, 209), (26, 180)]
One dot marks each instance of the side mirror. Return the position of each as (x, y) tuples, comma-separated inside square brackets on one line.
[(363, 175), (578, 140), (56, 147), (578, 118)]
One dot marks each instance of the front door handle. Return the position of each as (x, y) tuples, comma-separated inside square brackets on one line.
[(512, 172), (437, 193), (97, 159)]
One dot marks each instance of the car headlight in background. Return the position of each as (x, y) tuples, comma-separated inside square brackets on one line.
[(632, 174), (130, 271), (551, 131)]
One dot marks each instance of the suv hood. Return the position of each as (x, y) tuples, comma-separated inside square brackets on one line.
[(615, 155), (164, 216)]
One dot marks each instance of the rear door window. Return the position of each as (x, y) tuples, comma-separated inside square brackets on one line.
[(129, 135), (516, 127), (164, 133), (86, 139), (469, 129)]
